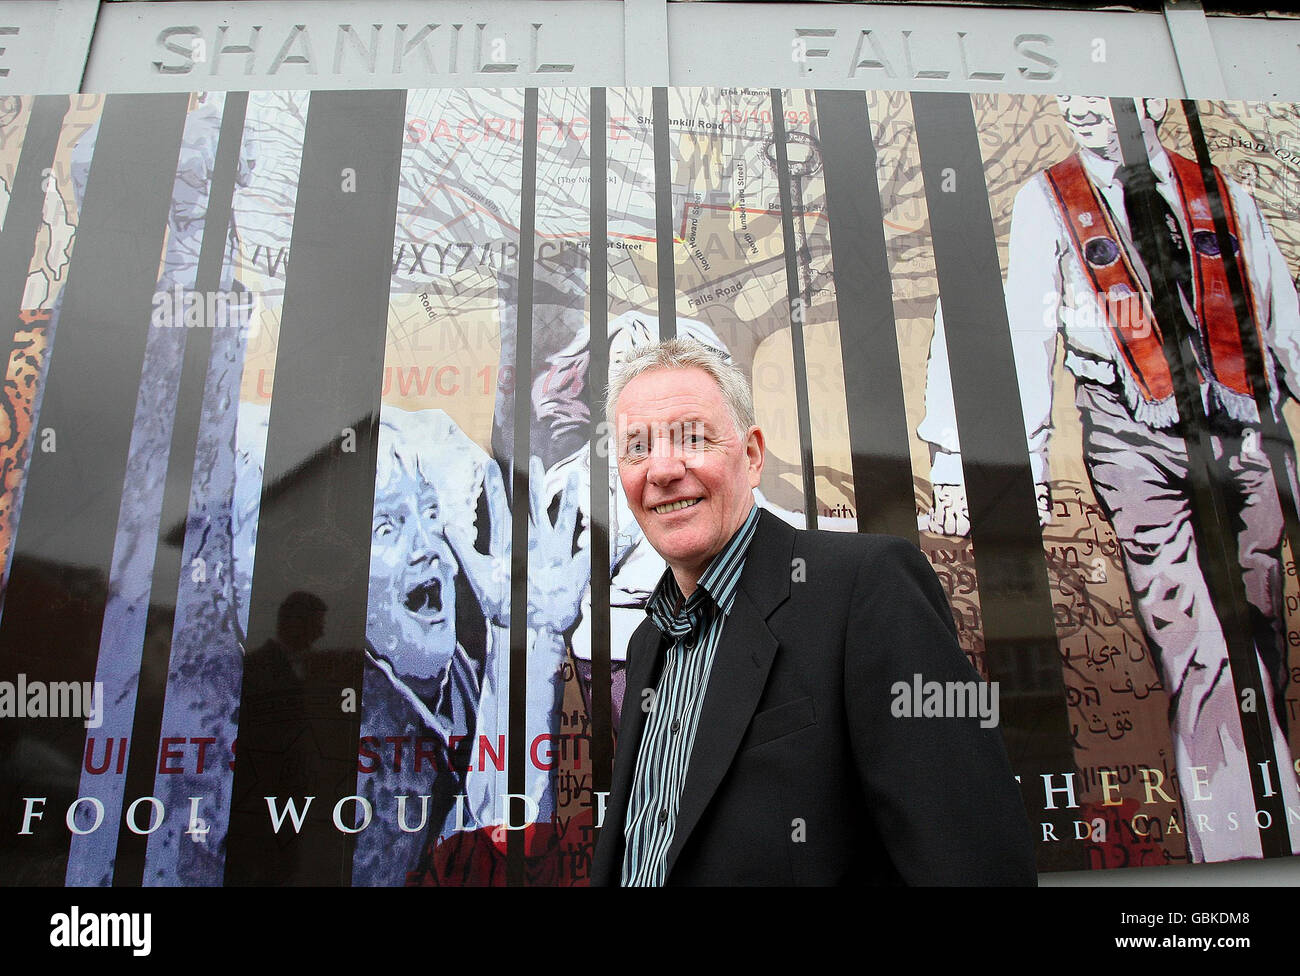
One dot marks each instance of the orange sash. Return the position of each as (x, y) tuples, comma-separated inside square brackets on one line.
[(1126, 305)]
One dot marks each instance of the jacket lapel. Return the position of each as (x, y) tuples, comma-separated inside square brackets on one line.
[(740, 668)]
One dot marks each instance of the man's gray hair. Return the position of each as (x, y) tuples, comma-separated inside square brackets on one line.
[(686, 353)]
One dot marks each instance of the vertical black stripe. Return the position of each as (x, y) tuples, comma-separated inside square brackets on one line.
[(873, 381), (156, 656), (798, 306), (22, 222), (665, 249), (1015, 601), (518, 715), (1216, 546), (26, 199), (317, 498), (1275, 437), (58, 586), (602, 440)]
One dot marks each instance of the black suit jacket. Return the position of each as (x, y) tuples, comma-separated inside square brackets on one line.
[(800, 772)]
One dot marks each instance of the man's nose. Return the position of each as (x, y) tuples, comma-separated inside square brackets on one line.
[(666, 463), (426, 543)]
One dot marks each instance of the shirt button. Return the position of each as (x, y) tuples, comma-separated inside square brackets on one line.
[(663, 816), (676, 726)]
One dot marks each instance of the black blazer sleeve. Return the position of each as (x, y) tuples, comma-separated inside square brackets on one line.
[(941, 790)]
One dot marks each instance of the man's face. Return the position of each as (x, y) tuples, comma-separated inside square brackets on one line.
[(1092, 123), (411, 616), (677, 443)]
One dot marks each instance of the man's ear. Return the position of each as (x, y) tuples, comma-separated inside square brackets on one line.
[(755, 450)]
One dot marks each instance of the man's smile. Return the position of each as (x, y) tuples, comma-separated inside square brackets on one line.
[(674, 506)]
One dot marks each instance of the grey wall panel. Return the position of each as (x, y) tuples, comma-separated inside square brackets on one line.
[(1259, 57), (43, 45), (921, 48), (378, 44), (263, 44)]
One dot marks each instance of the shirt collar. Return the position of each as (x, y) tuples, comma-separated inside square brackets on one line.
[(717, 584), (723, 574), (1102, 170)]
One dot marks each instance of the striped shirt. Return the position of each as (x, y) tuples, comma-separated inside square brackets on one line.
[(674, 710)]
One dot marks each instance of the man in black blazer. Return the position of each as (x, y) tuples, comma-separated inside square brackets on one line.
[(788, 753)]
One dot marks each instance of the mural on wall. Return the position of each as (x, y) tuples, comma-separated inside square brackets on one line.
[(204, 691)]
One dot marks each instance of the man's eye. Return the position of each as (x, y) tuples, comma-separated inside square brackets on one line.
[(635, 448), (431, 513), (383, 528)]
